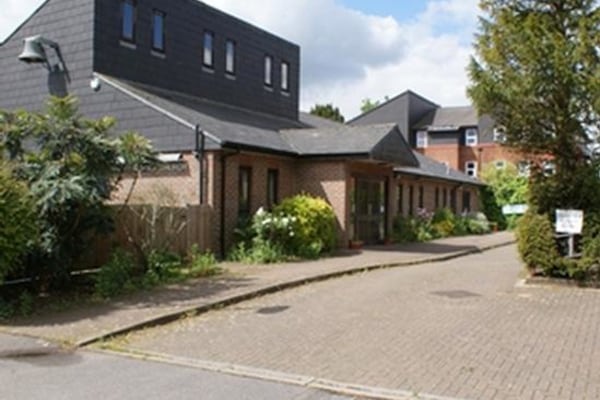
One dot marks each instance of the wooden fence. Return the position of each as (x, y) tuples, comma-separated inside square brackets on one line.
[(148, 226)]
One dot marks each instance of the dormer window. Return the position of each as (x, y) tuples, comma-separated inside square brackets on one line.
[(208, 54), (285, 72), (230, 57), (128, 19), (158, 31), (268, 70), (471, 137)]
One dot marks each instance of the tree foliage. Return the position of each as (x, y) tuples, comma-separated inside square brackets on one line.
[(328, 111), (71, 165), (367, 104), (18, 227), (507, 185), (537, 72)]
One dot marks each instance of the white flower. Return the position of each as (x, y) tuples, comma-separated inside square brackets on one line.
[(260, 212)]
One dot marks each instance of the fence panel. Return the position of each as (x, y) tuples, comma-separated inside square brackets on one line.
[(174, 228)]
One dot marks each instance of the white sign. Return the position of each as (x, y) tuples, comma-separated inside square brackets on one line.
[(514, 209), (569, 221)]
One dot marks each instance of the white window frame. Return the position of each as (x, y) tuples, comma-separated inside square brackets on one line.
[(471, 137), (499, 134), (471, 168), (422, 139), (549, 168), (524, 168), (208, 49)]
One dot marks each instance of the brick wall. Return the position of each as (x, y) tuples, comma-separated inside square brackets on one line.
[(327, 179)]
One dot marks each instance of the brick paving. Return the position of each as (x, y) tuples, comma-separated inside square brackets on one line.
[(458, 328), (91, 321)]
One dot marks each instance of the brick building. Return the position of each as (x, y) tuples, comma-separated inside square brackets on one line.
[(218, 98), (455, 136)]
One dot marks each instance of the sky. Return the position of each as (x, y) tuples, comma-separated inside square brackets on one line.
[(355, 49)]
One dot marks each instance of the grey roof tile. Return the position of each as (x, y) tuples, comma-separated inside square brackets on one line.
[(434, 169), (451, 118)]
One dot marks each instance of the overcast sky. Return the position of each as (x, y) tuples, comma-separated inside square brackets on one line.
[(353, 49)]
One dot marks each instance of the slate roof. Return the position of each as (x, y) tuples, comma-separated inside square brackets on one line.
[(451, 118), (434, 169), (314, 121), (232, 127), (382, 142)]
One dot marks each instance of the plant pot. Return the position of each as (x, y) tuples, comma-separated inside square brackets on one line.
[(355, 244)]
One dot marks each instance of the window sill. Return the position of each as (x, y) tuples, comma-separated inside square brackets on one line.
[(285, 93), (208, 70), (158, 54), (268, 88), (230, 76), (128, 45)]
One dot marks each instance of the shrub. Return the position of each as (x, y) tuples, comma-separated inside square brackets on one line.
[(536, 242), (162, 266), (202, 264), (116, 276), (18, 225), (313, 225), (405, 229)]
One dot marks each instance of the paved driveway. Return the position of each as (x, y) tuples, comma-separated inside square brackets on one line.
[(458, 328)]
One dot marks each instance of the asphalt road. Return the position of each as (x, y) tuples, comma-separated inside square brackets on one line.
[(88, 375), (459, 328)]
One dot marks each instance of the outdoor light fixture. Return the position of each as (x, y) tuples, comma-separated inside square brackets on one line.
[(34, 53)]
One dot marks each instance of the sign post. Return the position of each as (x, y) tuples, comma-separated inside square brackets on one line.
[(569, 222)]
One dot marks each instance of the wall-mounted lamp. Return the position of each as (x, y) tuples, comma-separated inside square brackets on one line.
[(34, 53)]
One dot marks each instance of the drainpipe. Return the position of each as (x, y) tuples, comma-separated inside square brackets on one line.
[(224, 158), (200, 146)]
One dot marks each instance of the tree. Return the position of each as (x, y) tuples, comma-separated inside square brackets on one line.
[(537, 73), (328, 111), (71, 165), (18, 225), (368, 105)]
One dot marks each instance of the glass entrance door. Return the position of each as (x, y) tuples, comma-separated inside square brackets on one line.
[(370, 212)]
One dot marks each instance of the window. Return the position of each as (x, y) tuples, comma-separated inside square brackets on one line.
[(500, 164), (400, 198), (437, 197), (445, 197), (499, 134), (421, 139), (268, 70), (244, 181), (208, 55), (411, 200), (471, 168), (421, 197), (549, 168), (466, 201), (272, 188), (453, 200), (471, 137), (230, 57), (285, 72), (524, 168), (128, 16), (158, 31)]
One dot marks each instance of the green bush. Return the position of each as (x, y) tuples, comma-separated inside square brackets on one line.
[(313, 225), (162, 266), (536, 243), (405, 229), (202, 264), (18, 224), (117, 276)]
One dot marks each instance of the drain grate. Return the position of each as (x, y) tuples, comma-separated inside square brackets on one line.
[(272, 310), (456, 294)]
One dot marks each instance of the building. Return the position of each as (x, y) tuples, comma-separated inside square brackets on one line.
[(455, 136), (218, 98)]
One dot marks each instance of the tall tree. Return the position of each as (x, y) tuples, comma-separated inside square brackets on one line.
[(537, 72), (328, 111)]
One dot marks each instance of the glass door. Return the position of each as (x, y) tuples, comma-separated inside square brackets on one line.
[(370, 212)]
